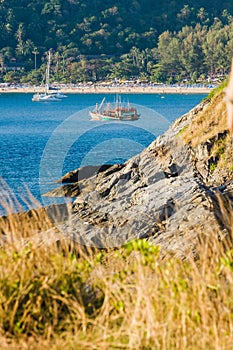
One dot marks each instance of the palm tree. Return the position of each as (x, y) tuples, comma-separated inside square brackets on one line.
[(2, 62), (35, 53)]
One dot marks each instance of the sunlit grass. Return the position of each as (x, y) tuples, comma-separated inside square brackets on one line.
[(209, 129), (117, 299), (209, 122)]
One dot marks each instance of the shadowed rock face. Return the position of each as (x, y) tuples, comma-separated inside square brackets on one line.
[(159, 194), (86, 172)]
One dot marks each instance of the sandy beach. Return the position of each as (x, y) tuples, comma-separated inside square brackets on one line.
[(86, 89)]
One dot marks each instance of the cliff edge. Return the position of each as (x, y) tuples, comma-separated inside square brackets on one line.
[(175, 193)]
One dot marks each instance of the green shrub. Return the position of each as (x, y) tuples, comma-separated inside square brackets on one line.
[(212, 166)]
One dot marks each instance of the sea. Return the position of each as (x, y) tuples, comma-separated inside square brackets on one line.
[(40, 142)]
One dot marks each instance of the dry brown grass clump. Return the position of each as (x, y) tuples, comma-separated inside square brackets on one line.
[(210, 127), (25, 224), (126, 298), (209, 122)]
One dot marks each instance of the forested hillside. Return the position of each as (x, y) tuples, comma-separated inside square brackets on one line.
[(94, 39)]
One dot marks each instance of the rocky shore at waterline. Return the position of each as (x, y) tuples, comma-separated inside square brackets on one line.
[(168, 194), (175, 193)]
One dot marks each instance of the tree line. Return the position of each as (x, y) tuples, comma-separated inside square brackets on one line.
[(94, 40)]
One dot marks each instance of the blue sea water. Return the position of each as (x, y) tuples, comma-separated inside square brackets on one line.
[(39, 142)]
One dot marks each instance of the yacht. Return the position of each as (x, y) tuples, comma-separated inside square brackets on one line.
[(48, 96)]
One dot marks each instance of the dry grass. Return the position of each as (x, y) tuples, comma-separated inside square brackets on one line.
[(223, 151), (25, 224), (208, 123), (122, 299), (209, 126), (18, 223)]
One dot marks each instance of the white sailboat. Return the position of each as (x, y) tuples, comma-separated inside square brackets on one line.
[(38, 97), (58, 94), (47, 96)]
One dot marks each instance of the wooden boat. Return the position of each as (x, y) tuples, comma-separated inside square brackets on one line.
[(116, 112)]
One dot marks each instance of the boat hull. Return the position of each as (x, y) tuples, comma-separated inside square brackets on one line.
[(45, 98), (128, 117)]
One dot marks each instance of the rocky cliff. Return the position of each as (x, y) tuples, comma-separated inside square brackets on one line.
[(175, 193)]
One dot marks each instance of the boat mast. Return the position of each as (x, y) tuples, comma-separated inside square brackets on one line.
[(116, 105), (48, 72), (101, 105)]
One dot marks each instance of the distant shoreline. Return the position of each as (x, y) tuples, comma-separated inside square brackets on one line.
[(113, 90)]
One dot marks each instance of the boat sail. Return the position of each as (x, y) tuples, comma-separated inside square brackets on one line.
[(47, 96), (116, 112)]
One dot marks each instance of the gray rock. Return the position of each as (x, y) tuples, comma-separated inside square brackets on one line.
[(160, 194)]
